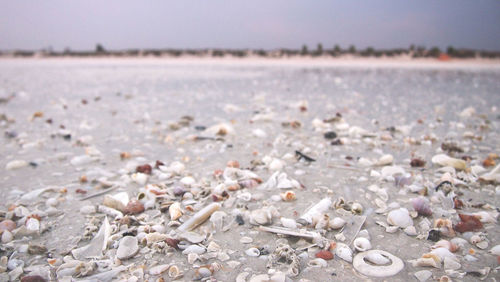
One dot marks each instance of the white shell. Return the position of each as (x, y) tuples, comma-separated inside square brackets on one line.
[(400, 217), (410, 231), (451, 263), (423, 275), (175, 211), (317, 262), (343, 252), (385, 160), (391, 171), (174, 271), (378, 270), (246, 240), (444, 160), (252, 252), (317, 210), (196, 249), (362, 244), (7, 236), (377, 258), (288, 222), (16, 164), (158, 269), (495, 250), (127, 248)]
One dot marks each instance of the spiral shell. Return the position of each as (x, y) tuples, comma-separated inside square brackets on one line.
[(362, 244)]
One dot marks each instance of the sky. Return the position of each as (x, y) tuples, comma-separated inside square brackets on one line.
[(255, 24)]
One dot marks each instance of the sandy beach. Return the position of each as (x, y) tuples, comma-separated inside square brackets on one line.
[(163, 169)]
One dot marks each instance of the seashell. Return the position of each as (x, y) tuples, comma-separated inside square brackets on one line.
[(321, 222), (445, 244), (391, 171), (377, 258), (213, 247), (442, 253), (343, 252), (16, 164), (199, 217), (380, 266), (423, 275), (134, 207), (444, 160), (106, 275), (155, 237), (246, 240), (422, 206), (261, 216), (116, 214), (140, 178), (87, 209), (410, 231), (445, 227), (326, 255), (357, 208), (174, 272), (117, 202), (288, 223), (252, 252), (468, 223), (195, 249), (242, 277), (337, 223), (146, 169), (276, 165), (192, 258), (399, 217), (474, 239), (362, 244), (33, 224), (385, 160), (127, 248), (7, 236), (217, 219), (172, 243), (485, 217), (175, 211), (320, 208), (7, 224), (493, 176), (428, 260), (97, 245), (317, 262), (288, 196), (451, 263), (192, 237), (188, 181), (158, 269)]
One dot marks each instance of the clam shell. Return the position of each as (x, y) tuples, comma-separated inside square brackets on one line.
[(337, 223), (395, 266), (127, 248), (194, 249), (288, 223), (400, 217)]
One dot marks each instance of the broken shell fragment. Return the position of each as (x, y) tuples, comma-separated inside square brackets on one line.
[(199, 217), (378, 270), (326, 255), (175, 211), (288, 196), (127, 248)]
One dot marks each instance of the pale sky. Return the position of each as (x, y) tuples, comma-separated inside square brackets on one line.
[(122, 24)]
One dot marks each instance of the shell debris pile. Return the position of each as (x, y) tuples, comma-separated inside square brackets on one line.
[(268, 189)]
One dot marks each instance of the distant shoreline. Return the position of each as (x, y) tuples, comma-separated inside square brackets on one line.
[(342, 61)]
